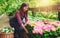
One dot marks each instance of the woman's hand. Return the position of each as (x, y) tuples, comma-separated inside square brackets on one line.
[(26, 23), (25, 29)]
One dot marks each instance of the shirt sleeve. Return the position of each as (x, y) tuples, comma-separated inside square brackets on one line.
[(18, 17)]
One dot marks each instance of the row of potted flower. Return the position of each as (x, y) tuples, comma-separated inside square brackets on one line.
[(44, 29)]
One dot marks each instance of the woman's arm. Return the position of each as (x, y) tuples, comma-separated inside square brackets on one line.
[(18, 17)]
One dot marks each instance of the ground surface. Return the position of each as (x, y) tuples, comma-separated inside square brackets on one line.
[(4, 21)]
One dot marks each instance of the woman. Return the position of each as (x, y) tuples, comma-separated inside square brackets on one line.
[(20, 20)]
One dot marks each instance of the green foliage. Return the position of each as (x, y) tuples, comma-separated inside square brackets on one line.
[(6, 30), (13, 5), (42, 16), (3, 5), (10, 6)]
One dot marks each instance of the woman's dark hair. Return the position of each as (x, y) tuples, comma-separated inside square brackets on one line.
[(23, 5)]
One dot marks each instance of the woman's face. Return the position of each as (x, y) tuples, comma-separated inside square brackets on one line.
[(25, 8)]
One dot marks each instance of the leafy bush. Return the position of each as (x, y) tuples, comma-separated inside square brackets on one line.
[(10, 6), (43, 15)]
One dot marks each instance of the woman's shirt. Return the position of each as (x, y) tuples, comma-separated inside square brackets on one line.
[(20, 15)]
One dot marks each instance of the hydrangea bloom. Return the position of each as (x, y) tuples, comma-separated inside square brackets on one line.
[(40, 27)]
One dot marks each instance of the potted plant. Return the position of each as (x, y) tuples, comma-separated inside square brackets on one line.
[(6, 33)]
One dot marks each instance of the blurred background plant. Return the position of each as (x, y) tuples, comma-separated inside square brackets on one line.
[(43, 16), (11, 6)]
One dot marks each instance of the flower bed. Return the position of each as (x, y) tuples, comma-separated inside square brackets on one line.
[(44, 29)]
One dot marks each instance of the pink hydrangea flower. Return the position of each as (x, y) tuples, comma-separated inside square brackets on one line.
[(40, 27), (40, 31)]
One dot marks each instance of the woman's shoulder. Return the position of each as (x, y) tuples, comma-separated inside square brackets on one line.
[(17, 13)]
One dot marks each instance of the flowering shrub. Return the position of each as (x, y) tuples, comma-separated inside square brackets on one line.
[(45, 29), (40, 27)]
